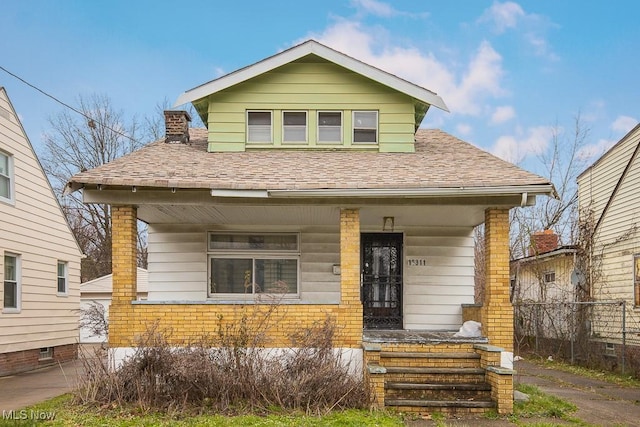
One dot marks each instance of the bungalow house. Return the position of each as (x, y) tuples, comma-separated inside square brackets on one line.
[(39, 258), (608, 199), (314, 183), (98, 291)]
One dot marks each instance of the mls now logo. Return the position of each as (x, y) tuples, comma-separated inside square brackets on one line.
[(23, 414)]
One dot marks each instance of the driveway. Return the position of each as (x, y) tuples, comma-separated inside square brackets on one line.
[(27, 388)]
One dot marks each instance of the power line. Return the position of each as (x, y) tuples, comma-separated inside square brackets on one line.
[(90, 120)]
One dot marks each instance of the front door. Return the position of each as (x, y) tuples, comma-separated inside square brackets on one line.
[(382, 280)]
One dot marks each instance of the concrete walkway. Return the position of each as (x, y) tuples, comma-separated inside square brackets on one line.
[(28, 388)]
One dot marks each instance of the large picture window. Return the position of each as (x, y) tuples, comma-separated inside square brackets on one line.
[(6, 184), (259, 126), (11, 299), (253, 263)]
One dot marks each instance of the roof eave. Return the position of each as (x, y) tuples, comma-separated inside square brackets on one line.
[(304, 49)]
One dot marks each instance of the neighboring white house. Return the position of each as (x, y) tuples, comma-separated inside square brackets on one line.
[(99, 291), (609, 198), (39, 258)]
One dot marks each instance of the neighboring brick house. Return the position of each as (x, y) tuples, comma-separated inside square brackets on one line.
[(39, 258), (313, 182)]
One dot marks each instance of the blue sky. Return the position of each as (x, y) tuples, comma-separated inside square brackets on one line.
[(509, 71)]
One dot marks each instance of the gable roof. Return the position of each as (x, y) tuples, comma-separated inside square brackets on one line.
[(441, 165), (312, 47)]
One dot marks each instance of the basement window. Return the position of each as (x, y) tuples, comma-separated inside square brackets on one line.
[(253, 263), (45, 353)]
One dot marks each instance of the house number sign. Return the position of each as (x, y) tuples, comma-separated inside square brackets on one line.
[(416, 262)]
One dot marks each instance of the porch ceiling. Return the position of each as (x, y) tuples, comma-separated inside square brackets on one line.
[(371, 217)]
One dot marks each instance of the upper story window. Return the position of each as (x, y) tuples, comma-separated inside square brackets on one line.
[(329, 126), (294, 126), (62, 278), (259, 126), (11, 298), (6, 177), (365, 127), (253, 263)]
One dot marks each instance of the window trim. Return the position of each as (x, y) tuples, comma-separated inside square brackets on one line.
[(65, 266), (354, 128), (17, 281), (253, 254), (340, 140), (270, 141), (10, 177), (306, 127)]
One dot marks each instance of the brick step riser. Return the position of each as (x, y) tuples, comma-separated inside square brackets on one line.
[(429, 363), (438, 394), (435, 378)]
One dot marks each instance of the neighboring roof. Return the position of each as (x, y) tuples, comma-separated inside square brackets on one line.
[(610, 150), (104, 284), (312, 47), (562, 250), (440, 161)]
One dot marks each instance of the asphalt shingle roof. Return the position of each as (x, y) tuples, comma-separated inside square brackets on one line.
[(440, 161)]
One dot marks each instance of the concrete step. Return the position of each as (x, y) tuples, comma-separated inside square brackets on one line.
[(439, 355), (437, 391), (419, 403)]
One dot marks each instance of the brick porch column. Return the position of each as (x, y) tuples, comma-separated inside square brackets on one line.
[(497, 311), (350, 306), (124, 247)]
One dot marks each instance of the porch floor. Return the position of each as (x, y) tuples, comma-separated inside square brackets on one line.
[(417, 337)]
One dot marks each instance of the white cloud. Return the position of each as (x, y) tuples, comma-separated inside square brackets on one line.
[(503, 15), (623, 124), (532, 27), (381, 9), (502, 114), (464, 129), (514, 149), (464, 94)]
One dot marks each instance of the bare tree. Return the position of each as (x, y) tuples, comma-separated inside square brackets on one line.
[(77, 143), (562, 164)]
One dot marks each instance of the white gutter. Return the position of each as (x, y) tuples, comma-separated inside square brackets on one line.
[(522, 190)]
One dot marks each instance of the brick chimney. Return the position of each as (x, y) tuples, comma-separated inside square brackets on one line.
[(176, 126), (543, 241)]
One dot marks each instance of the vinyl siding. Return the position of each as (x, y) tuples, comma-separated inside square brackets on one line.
[(34, 228), (311, 87), (432, 295), (530, 285), (618, 237)]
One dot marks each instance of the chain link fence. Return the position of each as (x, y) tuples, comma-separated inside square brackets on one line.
[(603, 334)]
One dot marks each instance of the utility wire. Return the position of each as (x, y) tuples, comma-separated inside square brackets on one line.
[(90, 120)]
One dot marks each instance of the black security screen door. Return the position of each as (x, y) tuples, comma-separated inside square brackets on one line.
[(382, 280)]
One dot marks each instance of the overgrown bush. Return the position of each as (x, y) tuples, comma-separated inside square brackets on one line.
[(230, 372)]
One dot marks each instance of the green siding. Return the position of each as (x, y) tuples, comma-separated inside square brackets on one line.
[(310, 86)]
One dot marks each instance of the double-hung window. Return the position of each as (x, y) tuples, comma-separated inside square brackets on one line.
[(62, 278), (6, 173), (329, 126), (253, 263), (636, 279), (294, 126), (259, 126), (365, 127), (11, 298)]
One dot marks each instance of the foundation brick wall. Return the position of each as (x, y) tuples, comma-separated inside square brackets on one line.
[(26, 360), (184, 323)]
